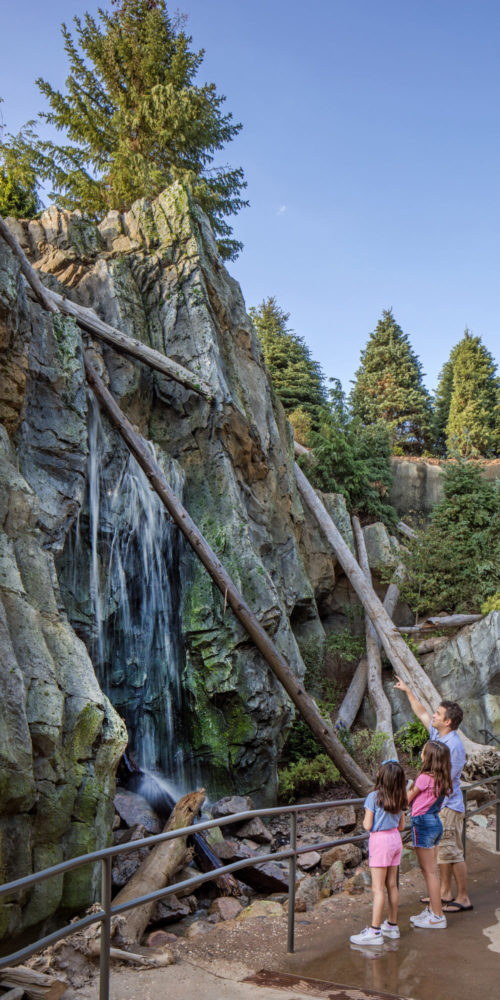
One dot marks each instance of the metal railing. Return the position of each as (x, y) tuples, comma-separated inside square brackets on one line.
[(473, 812), (105, 857)]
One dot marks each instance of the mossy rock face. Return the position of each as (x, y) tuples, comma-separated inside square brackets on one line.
[(81, 884)]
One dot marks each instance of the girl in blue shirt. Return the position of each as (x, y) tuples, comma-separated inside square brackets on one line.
[(385, 819)]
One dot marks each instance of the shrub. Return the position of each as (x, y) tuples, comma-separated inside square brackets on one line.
[(349, 647), (491, 604), (368, 748), (306, 776), (411, 738)]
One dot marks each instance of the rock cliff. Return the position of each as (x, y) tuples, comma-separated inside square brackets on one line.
[(71, 495)]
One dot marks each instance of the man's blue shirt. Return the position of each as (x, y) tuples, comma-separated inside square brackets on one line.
[(457, 754)]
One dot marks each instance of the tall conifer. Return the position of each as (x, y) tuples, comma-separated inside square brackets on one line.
[(389, 387), (473, 426)]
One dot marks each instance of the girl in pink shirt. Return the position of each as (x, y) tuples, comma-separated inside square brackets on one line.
[(426, 796)]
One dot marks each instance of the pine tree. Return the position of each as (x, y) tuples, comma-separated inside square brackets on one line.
[(18, 184), (296, 377), (135, 121), (389, 387), (441, 407), (473, 425)]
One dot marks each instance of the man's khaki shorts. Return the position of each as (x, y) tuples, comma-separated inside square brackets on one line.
[(450, 847)]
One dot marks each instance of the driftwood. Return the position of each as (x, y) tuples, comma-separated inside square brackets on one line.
[(446, 621), (398, 653), (351, 702), (232, 597), (378, 697), (157, 870), (33, 984)]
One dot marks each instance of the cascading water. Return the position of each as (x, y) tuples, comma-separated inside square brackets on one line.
[(131, 549)]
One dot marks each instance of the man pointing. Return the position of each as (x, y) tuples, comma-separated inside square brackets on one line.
[(443, 727)]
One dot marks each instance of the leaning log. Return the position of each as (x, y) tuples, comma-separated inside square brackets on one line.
[(351, 702), (158, 869), (232, 597), (378, 697), (398, 653)]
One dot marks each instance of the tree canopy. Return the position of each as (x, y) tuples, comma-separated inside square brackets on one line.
[(297, 378), (18, 183), (134, 119), (473, 424), (388, 386)]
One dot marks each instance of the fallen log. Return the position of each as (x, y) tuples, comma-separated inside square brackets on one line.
[(405, 529), (354, 695), (398, 653), (157, 870), (378, 697), (35, 985), (232, 597), (88, 320), (446, 621)]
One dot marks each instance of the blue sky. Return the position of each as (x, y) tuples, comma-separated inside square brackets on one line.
[(371, 147)]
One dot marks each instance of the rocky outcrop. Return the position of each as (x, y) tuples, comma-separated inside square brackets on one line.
[(60, 739), (417, 484)]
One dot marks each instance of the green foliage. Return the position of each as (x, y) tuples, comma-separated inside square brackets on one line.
[(18, 183), (368, 748), (412, 737), (354, 460), (349, 647), (454, 565), (297, 379), (306, 776), (491, 604), (389, 387), (301, 742), (473, 425), (134, 120), (441, 406)]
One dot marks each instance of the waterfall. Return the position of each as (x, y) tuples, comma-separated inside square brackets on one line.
[(131, 549)]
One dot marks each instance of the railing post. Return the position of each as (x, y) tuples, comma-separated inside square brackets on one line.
[(464, 828), (292, 876), (498, 818), (105, 929)]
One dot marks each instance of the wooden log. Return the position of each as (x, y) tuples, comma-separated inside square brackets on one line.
[(90, 321), (405, 529), (351, 702), (158, 869), (398, 653), (35, 985), (276, 661), (17, 993), (446, 621), (378, 697)]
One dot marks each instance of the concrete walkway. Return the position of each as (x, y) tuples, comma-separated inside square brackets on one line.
[(459, 963)]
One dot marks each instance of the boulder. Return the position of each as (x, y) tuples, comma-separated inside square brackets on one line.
[(134, 810), (349, 854), (254, 829), (226, 907), (261, 908), (307, 894), (232, 804)]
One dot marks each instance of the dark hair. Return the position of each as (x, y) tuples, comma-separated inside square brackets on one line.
[(453, 713), (390, 785), (436, 760)]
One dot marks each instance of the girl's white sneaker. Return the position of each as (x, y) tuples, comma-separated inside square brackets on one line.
[(390, 930), (367, 936)]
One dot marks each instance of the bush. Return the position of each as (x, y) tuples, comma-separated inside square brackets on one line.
[(454, 566), (349, 647), (491, 604), (368, 749), (306, 776), (411, 738), (301, 743)]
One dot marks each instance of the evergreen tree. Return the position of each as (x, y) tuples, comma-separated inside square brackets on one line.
[(389, 387), (135, 121), (441, 407), (473, 425), (18, 185), (297, 379)]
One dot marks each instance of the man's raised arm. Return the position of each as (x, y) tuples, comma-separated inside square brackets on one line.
[(416, 705)]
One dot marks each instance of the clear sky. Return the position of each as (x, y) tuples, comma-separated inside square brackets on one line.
[(371, 147)]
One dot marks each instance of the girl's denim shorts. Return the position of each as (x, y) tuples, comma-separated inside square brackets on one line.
[(426, 830)]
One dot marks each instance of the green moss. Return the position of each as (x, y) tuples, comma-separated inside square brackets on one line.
[(85, 732), (79, 884)]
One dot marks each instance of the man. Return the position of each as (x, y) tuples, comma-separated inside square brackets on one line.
[(443, 727)]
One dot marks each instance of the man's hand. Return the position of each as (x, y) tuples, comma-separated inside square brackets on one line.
[(401, 685)]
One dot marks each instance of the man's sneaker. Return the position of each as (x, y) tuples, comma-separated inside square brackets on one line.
[(430, 920), (419, 916), (390, 930), (367, 936)]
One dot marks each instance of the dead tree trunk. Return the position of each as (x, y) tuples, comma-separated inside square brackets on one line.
[(378, 697), (158, 869), (399, 654), (354, 695)]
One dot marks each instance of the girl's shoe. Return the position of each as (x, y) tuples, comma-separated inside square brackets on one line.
[(419, 916), (390, 930), (367, 936), (430, 920)]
